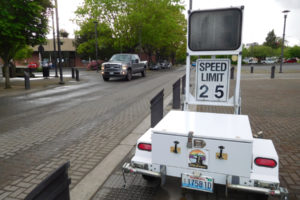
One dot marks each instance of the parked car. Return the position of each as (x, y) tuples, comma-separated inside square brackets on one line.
[(250, 60), (123, 65), (155, 66), (33, 65), (270, 60), (93, 65), (291, 60), (165, 64)]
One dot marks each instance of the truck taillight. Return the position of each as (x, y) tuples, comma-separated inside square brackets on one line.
[(145, 146), (265, 162)]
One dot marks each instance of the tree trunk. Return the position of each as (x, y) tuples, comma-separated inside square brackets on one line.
[(6, 69)]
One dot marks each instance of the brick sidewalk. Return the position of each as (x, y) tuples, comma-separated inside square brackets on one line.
[(18, 86)]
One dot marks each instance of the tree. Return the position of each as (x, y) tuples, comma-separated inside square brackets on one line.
[(85, 40), (271, 40), (156, 27), (63, 33), (245, 52), (260, 51), (23, 53), (294, 51), (22, 22)]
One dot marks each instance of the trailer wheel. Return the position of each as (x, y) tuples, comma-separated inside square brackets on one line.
[(149, 178), (262, 197), (258, 197)]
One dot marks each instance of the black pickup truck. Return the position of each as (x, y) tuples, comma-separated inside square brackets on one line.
[(123, 65)]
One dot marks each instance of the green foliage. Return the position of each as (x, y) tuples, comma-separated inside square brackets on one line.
[(294, 52), (22, 22), (23, 53), (63, 33), (157, 27), (271, 40), (245, 52), (85, 40), (260, 51)]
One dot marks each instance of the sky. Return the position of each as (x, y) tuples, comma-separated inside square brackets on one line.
[(260, 17)]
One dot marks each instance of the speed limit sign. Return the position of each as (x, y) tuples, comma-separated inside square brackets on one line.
[(212, 80)]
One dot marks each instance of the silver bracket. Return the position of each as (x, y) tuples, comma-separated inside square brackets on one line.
[(163, 173), (284, 193), (190, 140)]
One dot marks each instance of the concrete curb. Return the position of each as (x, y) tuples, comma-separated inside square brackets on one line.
[(90, 184)]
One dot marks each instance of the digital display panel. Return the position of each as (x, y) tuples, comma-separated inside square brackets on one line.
[(215, 30)]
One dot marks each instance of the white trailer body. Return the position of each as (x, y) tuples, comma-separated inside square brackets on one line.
[(210, 131), (188, 145)]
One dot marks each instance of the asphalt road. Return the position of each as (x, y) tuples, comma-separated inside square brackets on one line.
[(80, 123)]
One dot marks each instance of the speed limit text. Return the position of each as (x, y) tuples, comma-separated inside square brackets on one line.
[(212, 71)]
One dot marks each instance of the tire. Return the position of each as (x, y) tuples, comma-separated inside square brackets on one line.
[(129, 75), (262, 197), (105, 78), (144, 72), (149, 178)]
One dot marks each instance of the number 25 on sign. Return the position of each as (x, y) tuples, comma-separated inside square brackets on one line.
[(212, 80)]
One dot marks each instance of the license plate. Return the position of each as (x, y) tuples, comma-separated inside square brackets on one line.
[(201, 183), (111, 73)]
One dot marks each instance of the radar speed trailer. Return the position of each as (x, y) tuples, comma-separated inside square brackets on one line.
[(203, 149)]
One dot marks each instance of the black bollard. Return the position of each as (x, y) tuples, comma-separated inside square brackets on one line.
[(157, 108), (232, 73), (44, 72), (183, 84), (47, 72), (252, 68), (77, 75), (27, 80), (176, 95), (73, 72), (273, 72)]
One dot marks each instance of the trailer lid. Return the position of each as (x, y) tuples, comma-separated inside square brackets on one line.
[(206, 125)]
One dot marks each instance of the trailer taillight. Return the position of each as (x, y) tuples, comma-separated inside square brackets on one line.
[(145, 146), (265, 162)]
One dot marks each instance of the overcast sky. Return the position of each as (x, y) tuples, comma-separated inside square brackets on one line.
[(260, 17)]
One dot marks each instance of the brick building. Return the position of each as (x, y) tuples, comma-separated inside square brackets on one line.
[(68, 51)]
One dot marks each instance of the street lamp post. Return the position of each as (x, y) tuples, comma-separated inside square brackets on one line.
[(282, 47), (58, 45), (54, 46), (96, 43)]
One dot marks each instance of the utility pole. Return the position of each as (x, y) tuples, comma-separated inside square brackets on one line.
[(282, 47), (54, 45), (58, 45), (96, 43)]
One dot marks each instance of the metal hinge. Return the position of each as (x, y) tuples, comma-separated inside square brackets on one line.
[(190, 140)]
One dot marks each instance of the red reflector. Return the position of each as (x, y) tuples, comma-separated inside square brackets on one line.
[(145, 146), (265, 162)]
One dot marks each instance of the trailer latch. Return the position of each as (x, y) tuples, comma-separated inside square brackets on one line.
[(221, 155), (175, 149), (190, 140)]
